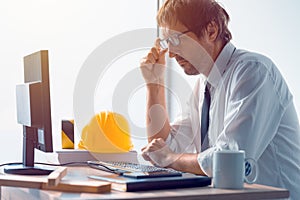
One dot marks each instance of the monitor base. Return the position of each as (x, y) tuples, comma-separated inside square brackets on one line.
[(20, 169)]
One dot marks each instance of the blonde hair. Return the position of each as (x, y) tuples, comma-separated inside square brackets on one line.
[(195, 15)]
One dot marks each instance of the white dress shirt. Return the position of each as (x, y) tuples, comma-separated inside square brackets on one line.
[(252, 106)]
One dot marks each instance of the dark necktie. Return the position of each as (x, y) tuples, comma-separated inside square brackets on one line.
[(205, 119)]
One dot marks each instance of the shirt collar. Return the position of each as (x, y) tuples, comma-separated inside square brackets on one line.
[(220, 65)]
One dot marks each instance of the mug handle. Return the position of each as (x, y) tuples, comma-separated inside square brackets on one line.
[(250, 164)]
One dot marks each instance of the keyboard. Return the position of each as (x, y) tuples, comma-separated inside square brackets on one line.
[(133, 170)]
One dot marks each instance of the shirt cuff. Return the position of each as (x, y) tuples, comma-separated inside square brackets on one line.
[(205, 160)]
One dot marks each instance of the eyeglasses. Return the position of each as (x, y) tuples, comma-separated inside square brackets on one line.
[(172, 39)]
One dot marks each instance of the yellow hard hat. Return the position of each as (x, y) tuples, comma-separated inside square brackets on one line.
[(107, 132)]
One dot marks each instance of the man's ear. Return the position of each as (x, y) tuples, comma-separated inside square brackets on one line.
[(212, 31)]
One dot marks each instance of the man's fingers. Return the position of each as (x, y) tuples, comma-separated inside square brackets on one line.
[(157, 43), (155, 53), (158, 143), (162, 55), (146, 157), (163, 52), (145, 153), (151, 58)]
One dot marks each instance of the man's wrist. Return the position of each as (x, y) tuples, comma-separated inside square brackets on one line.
[(155, 86), (155, 89), (173, 159)]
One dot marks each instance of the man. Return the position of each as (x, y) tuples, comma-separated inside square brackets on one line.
[(248, 100)]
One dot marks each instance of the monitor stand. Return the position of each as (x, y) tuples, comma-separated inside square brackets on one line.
[(28, 167), (21, 169)]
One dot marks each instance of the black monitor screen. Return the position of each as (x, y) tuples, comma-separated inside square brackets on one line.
[(34, 112), (36, 70)]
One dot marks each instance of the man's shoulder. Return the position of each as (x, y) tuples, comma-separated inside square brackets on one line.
[(245, 59), (247, 63), (246, 56)]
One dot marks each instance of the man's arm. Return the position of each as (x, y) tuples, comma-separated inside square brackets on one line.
[(153, 68), (157, 120), (192, 167)]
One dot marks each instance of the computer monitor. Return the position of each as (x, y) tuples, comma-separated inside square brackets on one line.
[(34, 113)]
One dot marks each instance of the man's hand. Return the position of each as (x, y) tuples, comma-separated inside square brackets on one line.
[(159, 154), (153, 65)]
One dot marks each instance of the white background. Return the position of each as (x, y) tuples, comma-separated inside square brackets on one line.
[(72, 29)]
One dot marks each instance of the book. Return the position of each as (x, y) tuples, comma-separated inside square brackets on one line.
[(127, 184), (77, 155), (67, 155)]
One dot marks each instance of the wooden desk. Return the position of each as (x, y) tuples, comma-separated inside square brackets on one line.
[(209, 193)]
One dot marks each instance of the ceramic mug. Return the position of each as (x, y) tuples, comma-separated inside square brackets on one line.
[(231, 169)]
